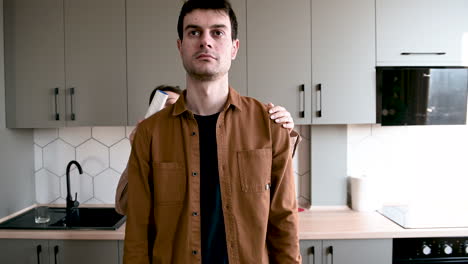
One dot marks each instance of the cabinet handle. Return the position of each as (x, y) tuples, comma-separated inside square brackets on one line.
[(330, 253), (56, 94), (72, 93), (56, 251), (319, 97), (312, 253), (38, 252), (422, 53), (302, 100)]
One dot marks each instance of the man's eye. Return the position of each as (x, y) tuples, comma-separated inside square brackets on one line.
[(194, 33), (218, 33)]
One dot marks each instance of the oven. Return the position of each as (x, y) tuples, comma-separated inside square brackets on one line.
[(438, 250)]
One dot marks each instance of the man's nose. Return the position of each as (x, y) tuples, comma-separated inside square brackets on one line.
[(206, 41)]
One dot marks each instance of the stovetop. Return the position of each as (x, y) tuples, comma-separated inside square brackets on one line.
[(414, 217)]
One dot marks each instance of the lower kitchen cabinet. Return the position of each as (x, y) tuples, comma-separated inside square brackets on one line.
[(25, 251), (355, 251), (121, 250), (83, 251)]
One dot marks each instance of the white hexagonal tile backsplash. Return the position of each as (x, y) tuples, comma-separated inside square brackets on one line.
[(57, 155), (108, 135), (47, 186), (119, 154), (106, 184), (93, 157), (103, 154), (75, 135)]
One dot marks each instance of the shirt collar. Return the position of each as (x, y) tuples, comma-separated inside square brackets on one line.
[(234, 99)]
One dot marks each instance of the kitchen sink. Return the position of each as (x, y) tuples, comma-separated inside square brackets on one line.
[(96, 218)]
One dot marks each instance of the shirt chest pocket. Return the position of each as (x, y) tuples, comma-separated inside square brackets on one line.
[(255, 169), (169, 183)]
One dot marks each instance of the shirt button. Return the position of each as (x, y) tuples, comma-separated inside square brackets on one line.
[(194, 173), (194, 213), (194, 252)]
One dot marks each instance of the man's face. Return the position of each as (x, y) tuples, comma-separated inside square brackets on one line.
[(207, 48)]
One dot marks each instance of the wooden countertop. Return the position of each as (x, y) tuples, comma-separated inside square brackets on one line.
[(343, 223), (317, 223)]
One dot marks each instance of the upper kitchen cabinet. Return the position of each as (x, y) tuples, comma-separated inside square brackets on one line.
[(279, 57), (34, 63), (316, 58), (95, 62), (65, 63), (422, 32), (152, 55), (343, 62)]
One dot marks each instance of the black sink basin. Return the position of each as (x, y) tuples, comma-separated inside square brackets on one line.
[(97, 218)]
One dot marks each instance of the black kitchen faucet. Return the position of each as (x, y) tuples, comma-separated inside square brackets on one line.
[(72, 205)]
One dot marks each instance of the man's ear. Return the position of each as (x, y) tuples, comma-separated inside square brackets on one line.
[(179, 44), (235, 48)]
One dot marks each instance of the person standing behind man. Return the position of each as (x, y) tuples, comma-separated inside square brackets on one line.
[(210, 177)]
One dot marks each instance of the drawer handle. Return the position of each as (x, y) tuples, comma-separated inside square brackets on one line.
[(56, 94), (330, 253), (422, 53), (302, 100), (319, 97), (56, 251), (312, 253), (39, 251), (72, 93)]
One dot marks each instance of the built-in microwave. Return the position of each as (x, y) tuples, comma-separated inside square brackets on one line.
[(421, 95)]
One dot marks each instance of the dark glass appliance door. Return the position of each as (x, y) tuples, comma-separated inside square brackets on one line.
[(421, 96)]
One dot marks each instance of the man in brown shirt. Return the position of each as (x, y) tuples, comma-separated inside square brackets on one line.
[(255, 217), (277, 113)]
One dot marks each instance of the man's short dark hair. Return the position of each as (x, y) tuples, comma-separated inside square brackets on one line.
[(218, 5), (165, 88)]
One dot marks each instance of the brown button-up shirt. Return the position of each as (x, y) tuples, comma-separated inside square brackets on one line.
[(256, 180)]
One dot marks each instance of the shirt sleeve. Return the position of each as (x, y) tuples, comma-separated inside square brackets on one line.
[(121, 195), (282, 233), (137, 246)]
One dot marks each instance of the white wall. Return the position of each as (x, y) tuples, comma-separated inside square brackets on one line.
[(412, 164)]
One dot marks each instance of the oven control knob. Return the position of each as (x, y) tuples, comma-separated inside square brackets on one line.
[(426, 250), (447, 249), (466, 248)]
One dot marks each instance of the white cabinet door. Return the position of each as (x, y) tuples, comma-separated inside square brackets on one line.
[(357, 251), (55, 45), (422, 32), (311, 251), (95, 62), (24, 251), (278, 52), (343, 62), (84, 251), (34, 63)]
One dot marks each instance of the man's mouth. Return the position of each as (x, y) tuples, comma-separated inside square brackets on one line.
[(205, 56)]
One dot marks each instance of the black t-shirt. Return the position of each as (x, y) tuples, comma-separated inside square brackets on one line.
[(213, 236)]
